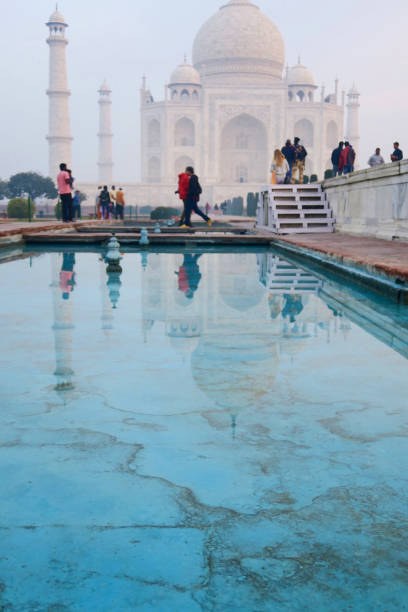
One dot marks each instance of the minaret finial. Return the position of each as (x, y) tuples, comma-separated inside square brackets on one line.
[(185, 58)]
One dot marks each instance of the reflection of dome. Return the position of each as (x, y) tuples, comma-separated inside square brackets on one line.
[(239, 39), (56, 18), (235, 371), (185, 74), (239, 286), (300, 75)]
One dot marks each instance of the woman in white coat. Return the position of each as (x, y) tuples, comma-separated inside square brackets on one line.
[(279, 168)]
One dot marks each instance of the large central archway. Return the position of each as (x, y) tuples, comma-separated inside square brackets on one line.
[(244, 151)]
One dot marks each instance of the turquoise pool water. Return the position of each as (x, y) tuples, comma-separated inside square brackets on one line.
[(210, 432)]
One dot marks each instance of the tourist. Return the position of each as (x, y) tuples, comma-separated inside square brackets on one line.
[(183, 184), (112, 195), (64, 190), (290, 154), (223, 208), (120, 204), (397, 154), (279, 168), (300, 161), (189, 275), (98, 211), (347, 159), (335, 158), (207, 208), (193, 197), (76, 206), (71, 178), (376, 159), (105, 202)]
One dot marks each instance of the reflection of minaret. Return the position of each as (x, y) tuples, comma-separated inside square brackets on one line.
[(107, 312), (105, 163), (62, 331)]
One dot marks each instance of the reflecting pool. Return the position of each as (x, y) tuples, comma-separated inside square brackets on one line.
[(203, 431)]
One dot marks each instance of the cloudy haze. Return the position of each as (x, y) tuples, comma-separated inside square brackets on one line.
[(358, 40)]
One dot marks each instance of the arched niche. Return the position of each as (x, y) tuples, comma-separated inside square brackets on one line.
[(185, 94), (305, 131), (182, 163), (184, 133), (174, 94), (153, 170), (300, 96), (154, 133), (196, 96), (332, 136), (290, 96), (249, 131)]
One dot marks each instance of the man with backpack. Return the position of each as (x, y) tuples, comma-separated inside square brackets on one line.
[(105, 201), (193, 197), (300, 161), (335, 158)]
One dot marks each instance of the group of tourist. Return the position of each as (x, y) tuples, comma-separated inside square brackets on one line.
[(289, 162), (189, 191), (343, 159), (70, 204), (110, 204), (377, 159)]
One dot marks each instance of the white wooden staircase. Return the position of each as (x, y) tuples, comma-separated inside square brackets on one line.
[(294, 209)]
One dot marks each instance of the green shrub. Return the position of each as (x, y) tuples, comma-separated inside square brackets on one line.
[(314, 178), (328, 174), (145, 210), (163, 212), (58, 210), (305, 179), (17, 208)]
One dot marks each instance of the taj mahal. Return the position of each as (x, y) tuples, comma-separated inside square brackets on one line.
[(224, 113)]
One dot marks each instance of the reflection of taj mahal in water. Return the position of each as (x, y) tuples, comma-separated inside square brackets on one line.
[(224, 114), (211, 316)]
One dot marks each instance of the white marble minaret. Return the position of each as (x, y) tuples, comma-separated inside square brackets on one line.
[(353, 120), (105, 163), (59, 134)]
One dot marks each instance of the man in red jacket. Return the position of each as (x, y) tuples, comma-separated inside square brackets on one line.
[(183, 185)]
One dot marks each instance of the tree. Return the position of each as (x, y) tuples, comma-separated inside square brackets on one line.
[(4, 191), (17, 208), (34, 184)]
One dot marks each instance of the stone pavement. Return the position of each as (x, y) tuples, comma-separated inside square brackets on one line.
[(385, 257)]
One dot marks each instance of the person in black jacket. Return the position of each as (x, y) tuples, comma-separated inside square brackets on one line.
[(335, 159), (193, 197), (290, 155), (300, 161)]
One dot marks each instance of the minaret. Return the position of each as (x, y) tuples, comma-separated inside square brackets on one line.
[(105, 163), (353, 120), (59, 134)]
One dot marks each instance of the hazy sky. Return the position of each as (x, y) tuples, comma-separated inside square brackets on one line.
[(358, 40)]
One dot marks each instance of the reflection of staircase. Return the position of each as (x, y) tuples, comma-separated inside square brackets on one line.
[(280, 276), (294, 209)]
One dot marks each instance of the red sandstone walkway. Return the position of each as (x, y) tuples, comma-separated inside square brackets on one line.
[(8, 228), (386, 256)]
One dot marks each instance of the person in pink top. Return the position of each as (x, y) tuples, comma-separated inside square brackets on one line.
[(64, 190)]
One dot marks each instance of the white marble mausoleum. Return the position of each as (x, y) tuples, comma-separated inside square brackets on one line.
[(227, 111)]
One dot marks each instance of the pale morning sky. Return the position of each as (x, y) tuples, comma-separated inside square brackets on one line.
[(358, 40)]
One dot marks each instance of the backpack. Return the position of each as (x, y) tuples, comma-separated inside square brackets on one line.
[(105, 197)]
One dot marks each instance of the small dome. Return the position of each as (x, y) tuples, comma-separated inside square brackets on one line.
[(56, 17), (300, 75), (185, 74)]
